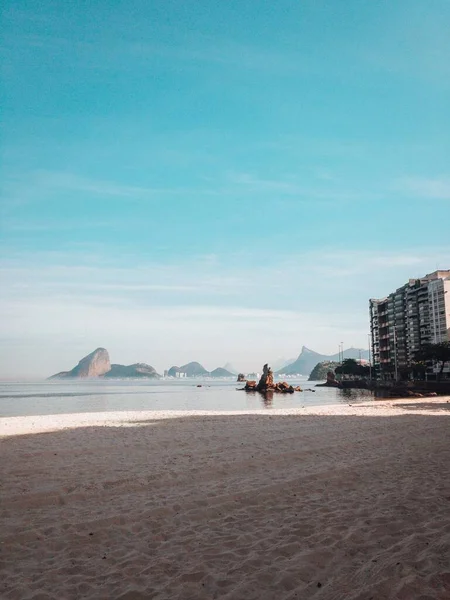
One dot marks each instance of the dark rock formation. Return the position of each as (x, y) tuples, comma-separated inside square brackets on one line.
[(266, 384), (331, 381), (93, 365), (138, 370), (241, 377), (266, 381)]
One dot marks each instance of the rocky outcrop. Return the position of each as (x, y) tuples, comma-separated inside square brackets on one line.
[(136, 371), (241, 378), (331, 381), (267, 385), (93, 365)]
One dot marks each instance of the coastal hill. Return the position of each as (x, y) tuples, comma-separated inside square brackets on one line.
[(221, 372), (192, 369), (308, 359), (133, 371), (97, 364), (321, 369), (195, 369)]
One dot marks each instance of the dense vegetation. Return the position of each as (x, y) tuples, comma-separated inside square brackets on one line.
[(351, 367), (321, 369)]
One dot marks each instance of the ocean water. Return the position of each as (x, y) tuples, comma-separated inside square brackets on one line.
[(57, 397)]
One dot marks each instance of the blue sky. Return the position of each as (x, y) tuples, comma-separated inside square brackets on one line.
[(216, 181)]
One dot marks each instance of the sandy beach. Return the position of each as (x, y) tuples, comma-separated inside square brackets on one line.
[(330, 502)]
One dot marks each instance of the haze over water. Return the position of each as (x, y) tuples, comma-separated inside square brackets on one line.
[(47, 398)]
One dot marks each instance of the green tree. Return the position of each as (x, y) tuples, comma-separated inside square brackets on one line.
[(438, 353), (351, 367)]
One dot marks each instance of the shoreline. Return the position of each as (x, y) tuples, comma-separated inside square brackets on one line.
[(35, 424)]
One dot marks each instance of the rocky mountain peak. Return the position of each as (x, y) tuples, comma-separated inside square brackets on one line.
[(93, 365)]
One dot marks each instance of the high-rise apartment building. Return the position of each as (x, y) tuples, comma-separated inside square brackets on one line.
[(415, 314)]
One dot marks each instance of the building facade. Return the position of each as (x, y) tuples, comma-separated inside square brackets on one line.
[(415, 314)]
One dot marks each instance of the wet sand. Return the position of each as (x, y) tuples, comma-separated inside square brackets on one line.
[(330, 502)]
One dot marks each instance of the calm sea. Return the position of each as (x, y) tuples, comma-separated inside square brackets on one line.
[(56, 397)]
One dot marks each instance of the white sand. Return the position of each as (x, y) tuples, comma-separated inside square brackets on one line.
[(342, 502)]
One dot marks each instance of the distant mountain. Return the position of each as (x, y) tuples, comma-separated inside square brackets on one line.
[(280, 363), (97, 364), (192, 369), (231, 368), (220, 372), (355, 353), (93, 365), (138, 370), (308, 359), (304, 364)]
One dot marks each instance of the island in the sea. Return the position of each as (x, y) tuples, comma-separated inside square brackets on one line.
[(98, 365)]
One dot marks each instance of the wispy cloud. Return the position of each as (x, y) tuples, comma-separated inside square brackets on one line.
[(176, 310), (325, 188), (198, 47), (426, 188), (234, 279), (257, 184), (70, 181), (60, 180)]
